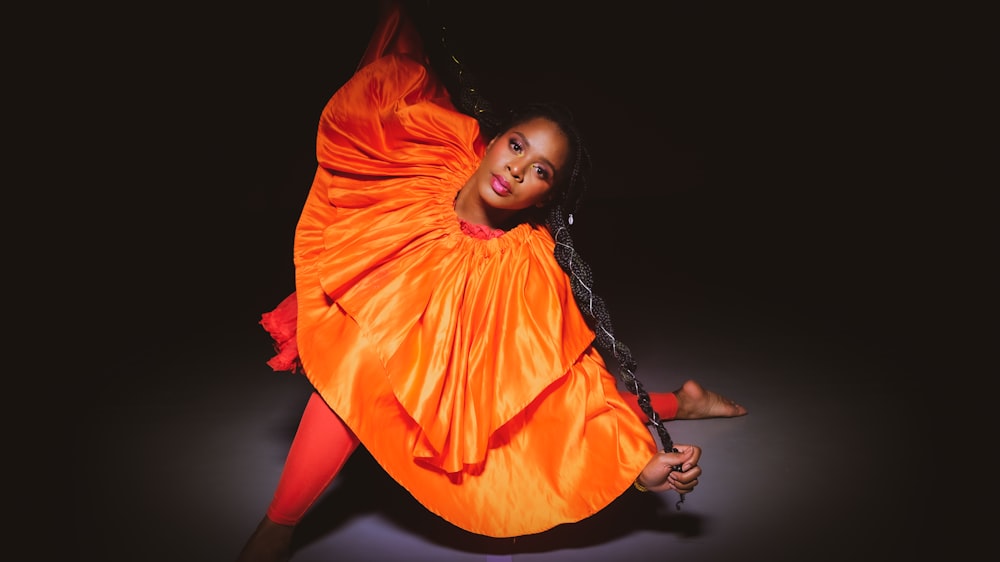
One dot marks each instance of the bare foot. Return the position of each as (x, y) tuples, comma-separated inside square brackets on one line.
[(270, 542), (696, 403)]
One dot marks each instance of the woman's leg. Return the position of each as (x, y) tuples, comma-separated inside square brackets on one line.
[(689, 402), (664, 403), (319, 450), (321, 446)]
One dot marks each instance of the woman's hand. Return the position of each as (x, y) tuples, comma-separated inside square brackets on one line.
[(660, 473)]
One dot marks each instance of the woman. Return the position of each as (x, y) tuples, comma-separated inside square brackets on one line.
[(438, 316)]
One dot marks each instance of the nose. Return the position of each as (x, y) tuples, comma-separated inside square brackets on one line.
[(515, 170)]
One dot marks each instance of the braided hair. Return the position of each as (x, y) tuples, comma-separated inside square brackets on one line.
[(557, 215), (582, 280)]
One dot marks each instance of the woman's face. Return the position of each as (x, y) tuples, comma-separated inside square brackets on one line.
[(521, 166)]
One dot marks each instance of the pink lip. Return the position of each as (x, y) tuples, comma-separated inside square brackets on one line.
[(499, 185)]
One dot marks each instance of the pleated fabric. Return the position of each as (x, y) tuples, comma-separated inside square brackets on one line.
[(462, 364)]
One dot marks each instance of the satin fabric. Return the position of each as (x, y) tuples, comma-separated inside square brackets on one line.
[(463, 365)]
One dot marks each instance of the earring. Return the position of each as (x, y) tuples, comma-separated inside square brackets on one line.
[(570, 220)]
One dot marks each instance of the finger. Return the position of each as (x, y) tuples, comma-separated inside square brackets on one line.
[(689, 456), (685, 475), (684, 481), (684, 487), (680, 459)]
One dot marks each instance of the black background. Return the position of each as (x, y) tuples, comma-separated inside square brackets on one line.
[(761, 169), (762, 153)]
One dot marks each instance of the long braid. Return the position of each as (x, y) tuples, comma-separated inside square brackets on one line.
[(467, 98), (470, 100), (593, 306), (443, 53)]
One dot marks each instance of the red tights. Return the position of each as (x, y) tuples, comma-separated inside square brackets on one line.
[(321, 446), (323, 442)]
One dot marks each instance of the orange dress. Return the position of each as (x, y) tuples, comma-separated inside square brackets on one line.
[(463, 365)]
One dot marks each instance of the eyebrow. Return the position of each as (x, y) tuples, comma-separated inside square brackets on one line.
[(546, 161)]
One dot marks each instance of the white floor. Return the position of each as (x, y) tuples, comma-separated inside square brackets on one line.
[(181, 465)]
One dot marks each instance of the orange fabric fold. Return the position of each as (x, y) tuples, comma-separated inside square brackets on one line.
[(463, 365)]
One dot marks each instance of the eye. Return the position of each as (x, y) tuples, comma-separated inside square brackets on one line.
[(541, 172), (515, 145)]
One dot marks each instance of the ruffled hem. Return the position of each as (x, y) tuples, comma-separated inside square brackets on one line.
[(281, 324)]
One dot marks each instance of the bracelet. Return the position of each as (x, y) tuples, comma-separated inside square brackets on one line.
[(639, 486)]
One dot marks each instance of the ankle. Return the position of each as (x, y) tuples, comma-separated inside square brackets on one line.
[(270, 542)]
